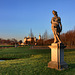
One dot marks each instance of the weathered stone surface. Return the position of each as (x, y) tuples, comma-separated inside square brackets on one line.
[(57, 48), (56, 65), (57, 57), (56, 26)]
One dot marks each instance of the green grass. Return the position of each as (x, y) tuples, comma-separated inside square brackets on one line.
[(7, 45), (33, 62)]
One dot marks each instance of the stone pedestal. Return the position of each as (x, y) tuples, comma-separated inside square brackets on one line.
[(57, 57)]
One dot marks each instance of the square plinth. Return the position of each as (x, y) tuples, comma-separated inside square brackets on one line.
[(57, 57), (58, 66)]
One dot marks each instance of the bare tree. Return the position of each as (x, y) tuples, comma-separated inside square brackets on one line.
[(45, 35), (31, 33)]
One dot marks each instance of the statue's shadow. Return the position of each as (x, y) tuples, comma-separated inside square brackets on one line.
[(71, 66)]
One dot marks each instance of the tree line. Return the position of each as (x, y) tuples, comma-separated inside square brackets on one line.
[(68, 39), (9, 41)]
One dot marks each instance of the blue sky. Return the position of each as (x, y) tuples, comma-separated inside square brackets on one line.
[(17, 17)]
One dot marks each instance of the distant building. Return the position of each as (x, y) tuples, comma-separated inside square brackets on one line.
[(34, 41), (30, 40), (39, 37)]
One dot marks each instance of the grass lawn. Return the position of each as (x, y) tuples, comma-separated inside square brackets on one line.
[(33, 62)]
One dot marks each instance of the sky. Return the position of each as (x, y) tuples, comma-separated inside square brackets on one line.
[(17, 17)]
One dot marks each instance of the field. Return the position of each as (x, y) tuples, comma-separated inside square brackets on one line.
[(25, 61)]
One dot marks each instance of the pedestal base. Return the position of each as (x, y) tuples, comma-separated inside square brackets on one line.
[(55, 65), (57, 57)]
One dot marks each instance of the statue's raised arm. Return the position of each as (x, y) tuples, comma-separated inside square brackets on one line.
[(56, 27)]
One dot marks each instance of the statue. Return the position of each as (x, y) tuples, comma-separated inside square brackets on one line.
[(56, 27), (57, 48)]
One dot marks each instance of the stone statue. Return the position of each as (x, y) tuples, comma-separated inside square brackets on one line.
[(56, 27), (57, 48)]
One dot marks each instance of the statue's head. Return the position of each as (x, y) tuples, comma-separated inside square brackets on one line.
[(54, 12)]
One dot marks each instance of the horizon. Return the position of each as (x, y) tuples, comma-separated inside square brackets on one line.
[(18, 17)]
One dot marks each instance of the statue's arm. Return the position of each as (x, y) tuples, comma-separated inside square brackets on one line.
[(60, 24), (51, 20)]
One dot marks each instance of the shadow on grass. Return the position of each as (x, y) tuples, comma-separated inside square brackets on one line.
[(13, 58), (71, 66), (12, 54), (69, 50), (8, 58)]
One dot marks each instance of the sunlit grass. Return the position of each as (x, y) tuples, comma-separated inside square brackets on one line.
[(33, 62)]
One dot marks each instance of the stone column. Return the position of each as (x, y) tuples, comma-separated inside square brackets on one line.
[(57, 57)]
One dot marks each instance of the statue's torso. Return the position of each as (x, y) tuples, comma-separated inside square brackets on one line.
[(55, 21)]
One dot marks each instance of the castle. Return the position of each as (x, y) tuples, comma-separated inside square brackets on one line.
[(31, 40)]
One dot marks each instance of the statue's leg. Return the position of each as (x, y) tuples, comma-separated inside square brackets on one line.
[(55, 38), (58, 37), (54, 33), (58, 33)]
